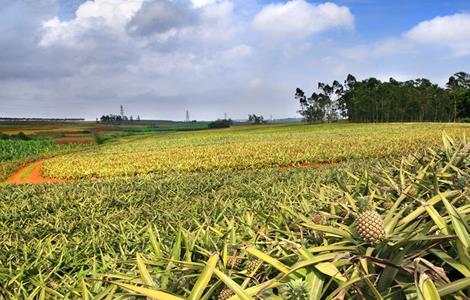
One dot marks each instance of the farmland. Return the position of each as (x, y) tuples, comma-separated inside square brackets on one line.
[(249, 212), (11, 150), (247, 148)]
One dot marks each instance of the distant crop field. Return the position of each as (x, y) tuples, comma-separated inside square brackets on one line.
[(11, 150), (251, 147)]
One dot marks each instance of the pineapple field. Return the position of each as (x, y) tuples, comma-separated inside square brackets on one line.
[(249, 148), (330, 211)]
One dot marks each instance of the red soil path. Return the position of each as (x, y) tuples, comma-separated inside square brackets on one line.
[(21, 176), (26, 175)]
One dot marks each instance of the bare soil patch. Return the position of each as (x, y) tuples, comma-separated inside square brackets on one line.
[(31, 174)]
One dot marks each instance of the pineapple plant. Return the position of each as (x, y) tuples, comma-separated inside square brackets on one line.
[(318, 218), (387, 205), (225, 294), (233, 262), (295, 290), (369, 223), (252, 265)]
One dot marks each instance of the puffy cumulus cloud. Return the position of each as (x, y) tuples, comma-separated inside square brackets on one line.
[(158, 17), (449, 31), (301, 18), (201, 3), (156, 56), (94, 20), (379, 50), (20, 58), (428, 37), (161, 57)]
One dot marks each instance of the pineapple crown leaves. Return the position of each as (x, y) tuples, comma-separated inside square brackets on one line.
[(364, 203), (295, 290)]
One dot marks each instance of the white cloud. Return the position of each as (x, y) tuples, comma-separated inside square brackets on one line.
[(300, 18), (162, 17), (161, 57), (387, 47), (237, 52), (448, 31), (201, 3), (103, 16), (114, 13)]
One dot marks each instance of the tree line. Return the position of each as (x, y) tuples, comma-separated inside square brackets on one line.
[(116, 119), (371, 100)]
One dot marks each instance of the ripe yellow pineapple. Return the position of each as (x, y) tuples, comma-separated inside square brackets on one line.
[(369, 223), (225, 294)]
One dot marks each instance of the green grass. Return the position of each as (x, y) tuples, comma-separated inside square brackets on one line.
[(28, 171)]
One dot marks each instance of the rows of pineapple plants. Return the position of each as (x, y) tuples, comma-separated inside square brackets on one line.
[(261, 235), (250, 148), (52, 235), (398, 232)]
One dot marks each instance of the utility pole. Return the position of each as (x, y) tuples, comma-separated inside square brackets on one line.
[(122, 111)]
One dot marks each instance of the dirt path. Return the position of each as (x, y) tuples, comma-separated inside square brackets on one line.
[(31, 174)]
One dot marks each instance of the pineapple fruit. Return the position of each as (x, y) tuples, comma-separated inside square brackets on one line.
[(233, 262), (369, 223), (252, 265), (387, 205), (318, 218), (225, 294)]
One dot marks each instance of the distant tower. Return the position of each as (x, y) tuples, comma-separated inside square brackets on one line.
[(122, 111), (225, 116), (187, 115)]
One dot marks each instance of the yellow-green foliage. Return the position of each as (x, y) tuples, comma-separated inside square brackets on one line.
[(251, 147), (60, 232), (171, 235), (424, 254)]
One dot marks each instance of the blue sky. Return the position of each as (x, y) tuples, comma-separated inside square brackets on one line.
[(160, 57), (378, 19), (375, 18)]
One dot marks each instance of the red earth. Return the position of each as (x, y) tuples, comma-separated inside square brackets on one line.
[(31, 174)]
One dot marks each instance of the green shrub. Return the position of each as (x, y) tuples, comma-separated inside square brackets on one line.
[(98, 138), (220, 123)]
